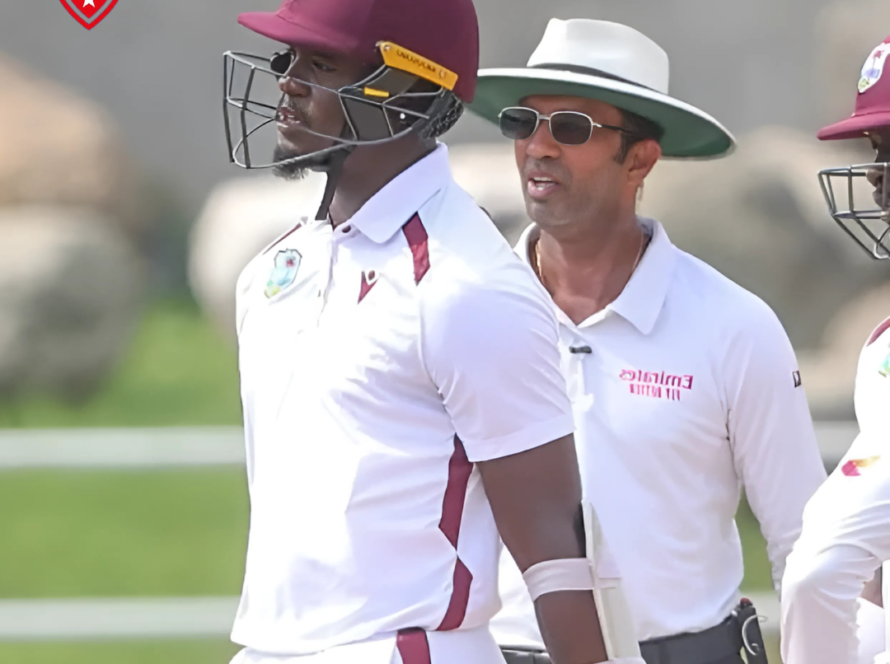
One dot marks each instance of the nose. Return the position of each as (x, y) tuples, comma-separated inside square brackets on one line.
[(293, 87), (290, 83), (541, 144)]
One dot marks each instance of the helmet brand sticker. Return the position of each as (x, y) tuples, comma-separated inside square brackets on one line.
[(874, 67), (404, 60)]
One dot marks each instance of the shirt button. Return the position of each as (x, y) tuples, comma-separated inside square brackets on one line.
[(347, 229)]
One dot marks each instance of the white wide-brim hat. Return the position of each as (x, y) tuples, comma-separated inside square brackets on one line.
[(612, 63)]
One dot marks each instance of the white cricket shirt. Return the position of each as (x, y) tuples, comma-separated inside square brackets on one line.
[(846, 531), (379, 361), (689, 391)]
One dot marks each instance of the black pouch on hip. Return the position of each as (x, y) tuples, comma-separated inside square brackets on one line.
[(748, 623)]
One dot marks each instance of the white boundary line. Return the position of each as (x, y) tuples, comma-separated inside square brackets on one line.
[(122, 449), (99, 619)]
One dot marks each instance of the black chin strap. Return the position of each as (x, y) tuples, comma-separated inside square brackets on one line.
[(333, 170)]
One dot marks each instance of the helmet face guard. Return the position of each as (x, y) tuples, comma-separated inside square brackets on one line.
[(378, 110), (844, 188)]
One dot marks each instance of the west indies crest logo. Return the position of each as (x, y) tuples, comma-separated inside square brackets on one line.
[(284, 272), (873, 68), (89, 13)]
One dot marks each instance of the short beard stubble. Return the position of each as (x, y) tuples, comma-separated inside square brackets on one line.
[(297, 170)]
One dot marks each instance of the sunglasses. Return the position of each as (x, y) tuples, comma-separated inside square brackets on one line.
[(566, 127)]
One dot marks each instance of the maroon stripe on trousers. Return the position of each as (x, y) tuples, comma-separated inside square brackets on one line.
[(459, 471), (418, 240), (413, 646), (883, 327)]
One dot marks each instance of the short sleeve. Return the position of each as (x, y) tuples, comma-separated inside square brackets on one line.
[(492, 351)]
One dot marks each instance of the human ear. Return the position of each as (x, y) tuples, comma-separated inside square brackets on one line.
[(642, 158)]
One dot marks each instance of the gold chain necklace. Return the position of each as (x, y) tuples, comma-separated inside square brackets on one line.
[(540, 272)]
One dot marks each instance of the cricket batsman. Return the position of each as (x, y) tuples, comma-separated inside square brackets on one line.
[(403, 403), (846, 529)]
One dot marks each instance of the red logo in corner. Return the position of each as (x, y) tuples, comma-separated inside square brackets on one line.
[(369, 280), (89, 13)]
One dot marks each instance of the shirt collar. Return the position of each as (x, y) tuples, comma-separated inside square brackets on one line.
[(642, 299), (384, 214)]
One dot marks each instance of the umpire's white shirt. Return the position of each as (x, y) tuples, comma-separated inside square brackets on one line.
[(379, 361), (690, 391)]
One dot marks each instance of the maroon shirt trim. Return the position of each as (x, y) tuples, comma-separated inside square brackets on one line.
[(883, 327), (283, 238), (418, 240), (459, 471)]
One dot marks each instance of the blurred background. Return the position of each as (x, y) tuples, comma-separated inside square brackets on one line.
[(123, 229)]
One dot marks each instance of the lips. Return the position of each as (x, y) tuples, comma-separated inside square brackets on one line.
[(288, 116), (541, 185), (292, 126)]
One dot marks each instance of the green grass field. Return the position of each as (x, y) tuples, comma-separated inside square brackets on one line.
[(123, 534), (152, 652)]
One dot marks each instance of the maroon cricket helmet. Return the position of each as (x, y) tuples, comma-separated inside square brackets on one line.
[(872, 103), (858, 196), (443, 31)]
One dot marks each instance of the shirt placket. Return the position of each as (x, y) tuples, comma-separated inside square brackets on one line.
[(334, 241)]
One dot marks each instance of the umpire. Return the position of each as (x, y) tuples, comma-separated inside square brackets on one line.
[(685, 386)]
